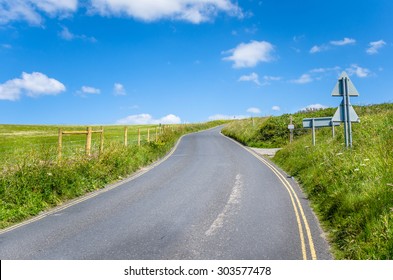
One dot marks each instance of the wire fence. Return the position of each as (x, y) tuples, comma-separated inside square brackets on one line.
[(17, 146)]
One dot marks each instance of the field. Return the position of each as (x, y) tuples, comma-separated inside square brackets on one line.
[(32, 179), (17, 141), (351, 190)]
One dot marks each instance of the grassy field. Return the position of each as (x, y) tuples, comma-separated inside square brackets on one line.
[(35, 180), (20, 140), (351, 190)]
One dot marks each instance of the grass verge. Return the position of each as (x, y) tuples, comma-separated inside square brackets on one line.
[(351, 190)]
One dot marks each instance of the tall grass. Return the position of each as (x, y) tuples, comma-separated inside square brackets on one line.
[(351, 190), (36, 182)]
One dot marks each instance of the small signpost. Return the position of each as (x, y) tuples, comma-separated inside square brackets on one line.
[(319, 122), (345, 112), (291, 127)]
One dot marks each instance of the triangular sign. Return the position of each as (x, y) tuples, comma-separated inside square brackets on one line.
[(339, 115), (339, 87)]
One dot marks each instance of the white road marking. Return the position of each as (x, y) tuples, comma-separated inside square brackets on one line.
[(234, 199)]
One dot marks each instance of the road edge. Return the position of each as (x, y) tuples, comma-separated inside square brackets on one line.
[(297, 205)]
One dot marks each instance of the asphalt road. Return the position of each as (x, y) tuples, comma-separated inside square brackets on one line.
[(210, 199)]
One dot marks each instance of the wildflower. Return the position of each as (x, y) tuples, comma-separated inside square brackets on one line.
[(362, 164), (390, 185), (49, 174), (339, 154), (366, 159), (356, 169)]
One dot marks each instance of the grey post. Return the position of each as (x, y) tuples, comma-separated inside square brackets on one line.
[(313, 131)]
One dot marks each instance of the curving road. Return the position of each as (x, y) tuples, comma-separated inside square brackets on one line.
[(210, 199)]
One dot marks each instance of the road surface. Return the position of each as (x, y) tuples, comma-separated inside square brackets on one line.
[(210, 199)]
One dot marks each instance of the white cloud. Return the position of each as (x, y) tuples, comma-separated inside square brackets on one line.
[(325, 70), (314, 107), (118, 89), (170, 119), (253, 77), (29, 10), (90, 90), (194, 11), (33, 85), (148, 119), (345, 41), (316, 49), (325, 47), (304, 79), (249, 55), (67, 35), (55, 6), (358, 71), (254, 110), (276, 108), (227, 117), (375, 46)]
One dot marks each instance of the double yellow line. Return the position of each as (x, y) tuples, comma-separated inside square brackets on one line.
[(297, 207)]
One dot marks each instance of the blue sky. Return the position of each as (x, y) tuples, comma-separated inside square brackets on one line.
[(176, 61)]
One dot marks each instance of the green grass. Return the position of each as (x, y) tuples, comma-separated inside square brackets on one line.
[(246, 131), (17, 140), (36, 181), (351, 190)]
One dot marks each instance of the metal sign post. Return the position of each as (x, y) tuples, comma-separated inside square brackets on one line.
[(345, 112), (318, 122)]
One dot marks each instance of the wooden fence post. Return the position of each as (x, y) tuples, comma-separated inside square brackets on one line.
[(139, 137), (156, 134), (125, 136), (148, 135), (102, 140), (60, 144), (88, 141)]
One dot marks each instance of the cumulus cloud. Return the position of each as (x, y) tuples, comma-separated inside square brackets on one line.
[(194, 11), (254, 110), (276, 108), (304, 79), (33, 85), (343, 42), (250, 54), (358, 71), (375, 46), (313, 107), (29, 10), (118, 89), (253, 77), (148, 119)]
